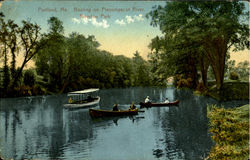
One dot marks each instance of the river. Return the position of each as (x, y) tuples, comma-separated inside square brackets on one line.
[(39, 127)]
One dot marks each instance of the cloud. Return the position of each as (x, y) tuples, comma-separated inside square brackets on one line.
[(129, 19), (103, 23), (120, 22), (139, 17), (75, 20), (85, 20)]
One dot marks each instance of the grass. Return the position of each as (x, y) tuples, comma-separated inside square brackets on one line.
[(230, 131), (231, 90)]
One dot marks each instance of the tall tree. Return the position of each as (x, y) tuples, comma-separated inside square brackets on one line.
[(216, 26), (51, 59), (4, 52), (142, 77), (30, 37), (12, 43)]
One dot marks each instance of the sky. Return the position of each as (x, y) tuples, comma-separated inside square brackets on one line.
[(119, 26)]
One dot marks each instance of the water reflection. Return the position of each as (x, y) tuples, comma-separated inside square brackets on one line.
[(39, 127)]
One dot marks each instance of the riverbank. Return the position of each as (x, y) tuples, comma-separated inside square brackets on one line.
[(230, 129), (231, 90)]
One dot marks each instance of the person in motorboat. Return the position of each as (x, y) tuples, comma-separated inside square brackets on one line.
[(132, 106), (70, 100), (147, 100), (115, 107), (166, 101)]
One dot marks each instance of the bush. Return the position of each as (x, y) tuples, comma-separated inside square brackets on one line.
[(233, 76), (23, 91), (230, 132), (176, 79), (29, 78), (37, 90), (200, 87), (184, 83)]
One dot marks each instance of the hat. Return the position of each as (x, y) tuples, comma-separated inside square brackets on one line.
[(147, 96)]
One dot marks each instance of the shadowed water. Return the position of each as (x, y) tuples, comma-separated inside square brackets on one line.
[(39, 127)]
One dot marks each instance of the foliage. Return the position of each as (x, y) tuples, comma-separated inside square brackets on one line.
[(12, 39), (51, 59), (26, 90), (230, 132), (75, 62), (141, 70), (231, 90), (65, 63), (201, 87), (184, 83), (233, 76), (30, 37), (241, 69), (198, 33), (29, 78)]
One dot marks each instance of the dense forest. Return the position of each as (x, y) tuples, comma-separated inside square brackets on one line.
[(194, 49)]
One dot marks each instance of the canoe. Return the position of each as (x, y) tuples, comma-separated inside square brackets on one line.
[(105, 113), (142, 104)]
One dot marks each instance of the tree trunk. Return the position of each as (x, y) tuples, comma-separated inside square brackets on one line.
[(66, 82), (18, 74), (194, 73), (204, 64), (216, 53), (13, 63), (6, 78)]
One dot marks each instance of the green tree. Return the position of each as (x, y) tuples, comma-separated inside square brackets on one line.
[(29, 78), (215, 26), (82, 58), (243, 70), (4, 52), (175, 57), (52, 58), (12, 43), (142, 70), (75, 62), (30, 41)]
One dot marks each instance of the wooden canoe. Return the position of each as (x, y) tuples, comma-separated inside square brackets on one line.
[(105, 113), (142, 104)]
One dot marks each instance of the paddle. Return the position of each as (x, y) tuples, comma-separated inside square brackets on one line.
[(141, 111)]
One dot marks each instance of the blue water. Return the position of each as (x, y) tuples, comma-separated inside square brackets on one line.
[(39, 127)]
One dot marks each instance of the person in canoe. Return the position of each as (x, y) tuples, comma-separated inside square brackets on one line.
[(166, 101), (132, 106), (115, 107), (147, 100)]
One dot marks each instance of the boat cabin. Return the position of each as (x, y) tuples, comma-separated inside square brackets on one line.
[(82, 98)]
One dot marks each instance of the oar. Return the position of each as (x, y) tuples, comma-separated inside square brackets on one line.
[(141, 111), (139, 117)]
